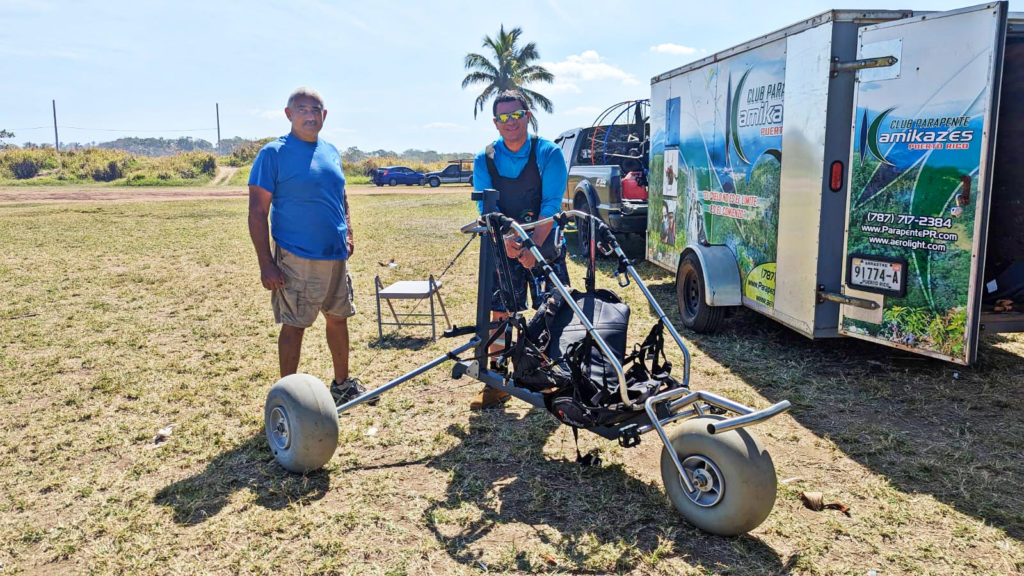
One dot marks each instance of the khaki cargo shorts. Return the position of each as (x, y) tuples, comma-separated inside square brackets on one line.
[(311, 287)]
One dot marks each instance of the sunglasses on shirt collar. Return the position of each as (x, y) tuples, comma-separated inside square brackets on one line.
[(502, 118)]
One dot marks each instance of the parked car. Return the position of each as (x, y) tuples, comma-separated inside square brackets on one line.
[(395, 175), (457, 171)]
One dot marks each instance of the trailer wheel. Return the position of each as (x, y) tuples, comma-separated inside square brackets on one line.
[(301, 423), (690, 291), (733, 478)]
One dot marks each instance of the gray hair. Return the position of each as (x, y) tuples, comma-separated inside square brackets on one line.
[(305, 91)]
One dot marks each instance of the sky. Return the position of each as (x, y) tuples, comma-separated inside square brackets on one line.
[(390, 71)]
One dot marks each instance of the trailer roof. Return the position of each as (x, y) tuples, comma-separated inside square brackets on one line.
[(861, 16)]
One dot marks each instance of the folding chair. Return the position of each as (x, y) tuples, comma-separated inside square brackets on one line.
[(409, 290)]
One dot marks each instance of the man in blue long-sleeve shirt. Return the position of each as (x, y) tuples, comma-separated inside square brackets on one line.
[(530, 175)]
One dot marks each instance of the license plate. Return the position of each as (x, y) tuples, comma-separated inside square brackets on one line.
[(877, 275)]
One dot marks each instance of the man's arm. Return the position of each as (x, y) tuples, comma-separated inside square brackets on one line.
[(350, 240), (259, 231)]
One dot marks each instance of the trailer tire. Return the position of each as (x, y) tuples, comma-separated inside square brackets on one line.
[(694, 310), (301, 423), (733, 476)]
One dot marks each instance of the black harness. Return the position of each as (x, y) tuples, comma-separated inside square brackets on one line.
[(520, 196)]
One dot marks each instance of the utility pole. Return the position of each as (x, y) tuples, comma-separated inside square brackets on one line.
[(56, 140), (218, 127)]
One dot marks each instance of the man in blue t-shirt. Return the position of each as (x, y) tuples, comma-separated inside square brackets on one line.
[(530, 175), (297, 196)]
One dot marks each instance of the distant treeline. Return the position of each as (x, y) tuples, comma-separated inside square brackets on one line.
[(180, 162), (157, 147)]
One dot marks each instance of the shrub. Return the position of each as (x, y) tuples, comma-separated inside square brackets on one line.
[(24, 164), (23, 169), (112, 171)]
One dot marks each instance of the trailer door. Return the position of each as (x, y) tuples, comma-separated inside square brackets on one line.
[(919, 180)]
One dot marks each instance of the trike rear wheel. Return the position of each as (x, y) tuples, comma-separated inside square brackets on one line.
[(733, 478)]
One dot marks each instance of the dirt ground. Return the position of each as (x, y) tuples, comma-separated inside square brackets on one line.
[(23, 194)]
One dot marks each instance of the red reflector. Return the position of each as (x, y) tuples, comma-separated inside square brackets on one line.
[(835, 181)]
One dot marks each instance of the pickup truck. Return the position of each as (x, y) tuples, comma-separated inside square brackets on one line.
[(454, 173), (607, 166)]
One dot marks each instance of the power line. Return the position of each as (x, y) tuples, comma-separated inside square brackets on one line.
[(136, 130)]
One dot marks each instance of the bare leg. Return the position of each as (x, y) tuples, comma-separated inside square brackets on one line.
[(289, 347), (497, 316), (337, 341)]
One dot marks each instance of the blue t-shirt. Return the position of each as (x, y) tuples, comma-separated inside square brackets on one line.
[(550, 161), (307, 210)]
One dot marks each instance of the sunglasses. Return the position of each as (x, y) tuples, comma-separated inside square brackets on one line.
[(502, 118)]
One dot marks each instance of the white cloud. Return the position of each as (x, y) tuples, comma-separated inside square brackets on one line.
[(677, 49), (443, 126), (587, 67), (587, 111), (275, 114), (559, 88)]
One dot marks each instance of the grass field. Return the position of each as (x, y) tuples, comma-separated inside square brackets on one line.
[(120, 319)]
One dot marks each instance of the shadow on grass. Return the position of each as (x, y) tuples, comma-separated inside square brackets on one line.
[(395, 341), (598, 519), (926, 425), (246, 467)]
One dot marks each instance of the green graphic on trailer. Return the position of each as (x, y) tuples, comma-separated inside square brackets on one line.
[(914, 173), (716, 159)]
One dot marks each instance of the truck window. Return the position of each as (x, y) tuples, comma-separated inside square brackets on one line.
[(567, 143)]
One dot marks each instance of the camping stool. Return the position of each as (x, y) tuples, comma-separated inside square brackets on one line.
[(409, 290)]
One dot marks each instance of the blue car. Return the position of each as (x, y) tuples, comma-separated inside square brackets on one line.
[(395, 175)]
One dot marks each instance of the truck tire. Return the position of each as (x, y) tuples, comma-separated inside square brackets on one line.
[(435, 182), (582, 204), (694, 310)]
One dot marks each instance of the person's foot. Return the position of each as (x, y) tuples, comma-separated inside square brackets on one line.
[(349, 389), (489, 398)]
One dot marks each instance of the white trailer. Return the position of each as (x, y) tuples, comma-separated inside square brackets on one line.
[(845, 177)]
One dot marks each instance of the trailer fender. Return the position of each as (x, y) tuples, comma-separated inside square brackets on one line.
[(722, 283)]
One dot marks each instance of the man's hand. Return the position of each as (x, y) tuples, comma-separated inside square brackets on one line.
[(271, 276), (512, 246), (350, 244), (527, 259)]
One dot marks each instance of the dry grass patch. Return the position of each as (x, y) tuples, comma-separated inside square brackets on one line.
[(120, 319)]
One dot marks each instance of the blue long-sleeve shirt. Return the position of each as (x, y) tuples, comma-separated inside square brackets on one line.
[(553, 173)]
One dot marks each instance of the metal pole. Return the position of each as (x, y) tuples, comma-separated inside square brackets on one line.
[(56, 140), (485, 286), (218, 127)]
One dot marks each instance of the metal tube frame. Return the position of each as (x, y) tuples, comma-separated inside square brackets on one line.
[(676, 401), (370, 394)]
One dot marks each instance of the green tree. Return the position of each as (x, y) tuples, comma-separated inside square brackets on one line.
[(5, 134), (511, 69)]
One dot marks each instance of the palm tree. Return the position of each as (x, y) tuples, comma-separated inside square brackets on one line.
[(510, 70)]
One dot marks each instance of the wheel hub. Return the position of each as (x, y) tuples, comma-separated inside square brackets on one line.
[(707, 480), (279, 437)]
